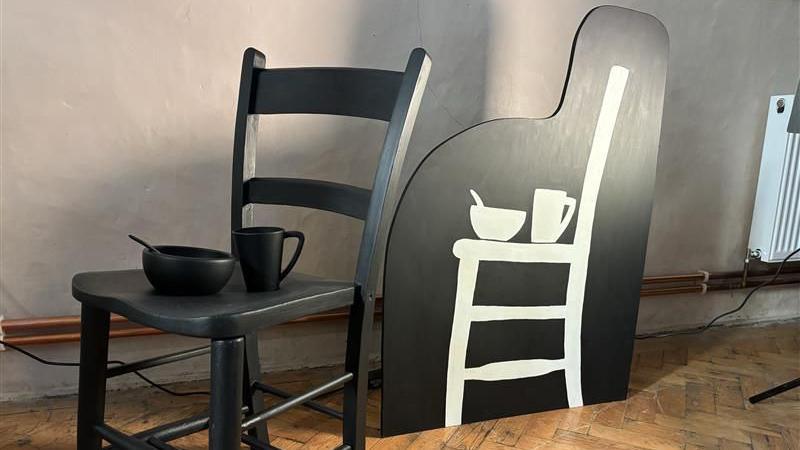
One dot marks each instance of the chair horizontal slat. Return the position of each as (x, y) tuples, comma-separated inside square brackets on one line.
[(156, 361), (121, 440), (308, 404), (483, 250), (259, 416), (510, 370), (335, 197), (484, 313), (367, 93), (176, 429)]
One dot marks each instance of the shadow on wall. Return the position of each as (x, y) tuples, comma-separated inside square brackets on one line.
[(169, 180), (456, 34), (149, 199)]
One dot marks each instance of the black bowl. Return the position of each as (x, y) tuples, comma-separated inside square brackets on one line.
[(187, 270)]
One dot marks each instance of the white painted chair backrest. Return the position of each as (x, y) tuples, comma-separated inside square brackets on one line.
[(601, 143)]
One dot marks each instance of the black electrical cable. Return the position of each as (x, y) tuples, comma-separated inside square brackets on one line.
[(727, 313), (75, 364), (167, 390), (641, 336)]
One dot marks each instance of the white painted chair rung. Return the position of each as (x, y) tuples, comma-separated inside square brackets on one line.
[(506, 370), (492, 313)]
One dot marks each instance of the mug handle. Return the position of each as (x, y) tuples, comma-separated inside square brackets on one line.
[(301, 239), (570, 203)]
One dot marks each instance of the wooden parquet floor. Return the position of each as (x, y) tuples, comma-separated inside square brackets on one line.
[(687, 392)]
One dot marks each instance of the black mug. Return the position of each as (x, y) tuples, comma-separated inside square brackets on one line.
[(260, 251)]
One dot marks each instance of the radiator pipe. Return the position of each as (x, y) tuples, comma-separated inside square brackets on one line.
[(694, 289), (787, 270), (702, 276), (18, 326), (719, 284), (752, 282), (62, 329), (58, 338), (683, 278)]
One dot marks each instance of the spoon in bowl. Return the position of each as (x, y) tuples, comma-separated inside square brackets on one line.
[(476, 197), (145, 244)]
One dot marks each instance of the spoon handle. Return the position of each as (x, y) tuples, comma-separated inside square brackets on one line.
[(142, 242), (476, 197)]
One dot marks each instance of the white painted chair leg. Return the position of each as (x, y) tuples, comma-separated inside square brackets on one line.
[(459, 338)]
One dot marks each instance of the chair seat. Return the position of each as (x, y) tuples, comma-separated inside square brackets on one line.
[(231, 312)]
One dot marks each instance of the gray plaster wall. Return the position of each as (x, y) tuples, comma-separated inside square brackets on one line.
[(117, 117)]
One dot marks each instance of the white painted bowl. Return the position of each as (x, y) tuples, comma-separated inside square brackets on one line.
[(496, 224)]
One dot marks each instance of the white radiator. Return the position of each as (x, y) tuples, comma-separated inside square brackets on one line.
[(775, 230)]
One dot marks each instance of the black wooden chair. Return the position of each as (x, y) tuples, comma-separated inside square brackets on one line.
[(237, 414)]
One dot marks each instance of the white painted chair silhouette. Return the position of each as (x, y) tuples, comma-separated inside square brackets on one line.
[(471, 252)]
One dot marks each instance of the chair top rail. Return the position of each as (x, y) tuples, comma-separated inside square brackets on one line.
[(366, 93)]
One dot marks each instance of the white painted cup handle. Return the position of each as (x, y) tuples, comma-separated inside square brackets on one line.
[(570, 202)]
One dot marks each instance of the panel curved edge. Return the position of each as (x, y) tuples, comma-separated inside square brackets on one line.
[(420, 283)]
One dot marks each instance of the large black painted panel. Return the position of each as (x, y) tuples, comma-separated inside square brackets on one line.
[(571, 298)]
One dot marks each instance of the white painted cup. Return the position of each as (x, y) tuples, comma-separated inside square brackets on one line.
[(549, 220)]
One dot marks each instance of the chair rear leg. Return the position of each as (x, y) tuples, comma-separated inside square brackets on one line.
[(253, 398), (357, 362), (92, 381), (227, 372)]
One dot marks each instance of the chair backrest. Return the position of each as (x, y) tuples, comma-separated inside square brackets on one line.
[(390, 96), (598, 155)]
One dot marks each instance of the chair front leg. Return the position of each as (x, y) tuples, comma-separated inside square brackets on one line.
[(227, 372), (359, 338), (253, 398), (92, 376)]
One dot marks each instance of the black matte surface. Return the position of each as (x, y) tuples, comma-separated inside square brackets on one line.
[(530, 394), (497, 284), (178, 270), (260, 251), (231, 312), (324, 195), (499, 341), (368, 93), (391, 96), (505, 160), (227, 373), (92, 379)]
